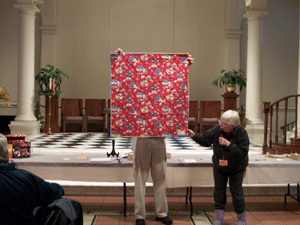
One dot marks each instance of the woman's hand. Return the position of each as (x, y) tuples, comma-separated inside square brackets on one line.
[(224, 141)]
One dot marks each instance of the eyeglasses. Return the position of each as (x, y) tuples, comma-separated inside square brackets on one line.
[(223, 124)]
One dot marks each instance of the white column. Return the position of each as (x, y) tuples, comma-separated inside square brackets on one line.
[(254, 103), (298, 91), (48, 48), (291, 134), (49, 30), (25, 121), (233, 52), (233, 48)]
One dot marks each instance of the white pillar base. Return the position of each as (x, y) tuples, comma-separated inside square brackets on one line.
[(255, 133), (291, 134), (25, 127)]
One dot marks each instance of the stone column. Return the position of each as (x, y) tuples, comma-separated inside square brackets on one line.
[(48, 49), (298, 91), (49, 30), (233, 48), (48, 46), (291, 134), (25, 121), (233, 54), (254, 104)]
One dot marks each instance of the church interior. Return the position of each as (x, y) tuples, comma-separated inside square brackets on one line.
[(258, 37)]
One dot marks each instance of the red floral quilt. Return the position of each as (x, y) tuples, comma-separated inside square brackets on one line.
[(149, 95)]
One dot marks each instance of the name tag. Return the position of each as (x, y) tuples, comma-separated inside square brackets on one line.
[(223, 162)]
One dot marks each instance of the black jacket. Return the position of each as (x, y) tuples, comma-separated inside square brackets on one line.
[(22, 191), (236, 153)]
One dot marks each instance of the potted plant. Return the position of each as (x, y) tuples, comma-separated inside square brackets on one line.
[(49, 79), (230, 79)]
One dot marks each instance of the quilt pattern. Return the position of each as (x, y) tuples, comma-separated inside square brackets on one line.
[(149, 95)]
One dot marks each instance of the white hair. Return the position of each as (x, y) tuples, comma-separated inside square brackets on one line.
[(3, 147), (231, 117)]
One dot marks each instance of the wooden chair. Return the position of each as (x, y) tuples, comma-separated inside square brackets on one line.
[(72, 112), (94, 113), (210, 113), (193, 115)]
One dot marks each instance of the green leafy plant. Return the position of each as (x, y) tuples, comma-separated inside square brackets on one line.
[(233, 77), (49, 79)]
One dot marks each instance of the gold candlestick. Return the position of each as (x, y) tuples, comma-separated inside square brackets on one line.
[(49, 119)]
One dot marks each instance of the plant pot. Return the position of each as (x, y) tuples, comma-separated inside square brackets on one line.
[(230, 88)]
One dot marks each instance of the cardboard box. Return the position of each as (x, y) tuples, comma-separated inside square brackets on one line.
[(295, 156)]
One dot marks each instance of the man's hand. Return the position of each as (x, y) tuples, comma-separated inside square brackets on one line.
[(190, 59), (190, 133), (119, 51)]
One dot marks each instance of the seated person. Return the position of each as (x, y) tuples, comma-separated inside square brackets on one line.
[(29, 200)]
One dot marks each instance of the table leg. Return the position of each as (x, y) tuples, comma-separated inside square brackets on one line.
[(191, 203), (289, 194), (125, 198)]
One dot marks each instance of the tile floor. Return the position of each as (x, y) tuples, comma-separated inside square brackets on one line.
[(260, 210)]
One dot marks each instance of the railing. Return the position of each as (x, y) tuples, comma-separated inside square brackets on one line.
[(270, 109), (289, 126)]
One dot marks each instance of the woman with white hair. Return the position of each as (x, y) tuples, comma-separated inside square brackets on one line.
[(230, 147)]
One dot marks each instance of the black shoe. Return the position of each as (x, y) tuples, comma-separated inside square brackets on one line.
[(140, 222), (165, 220)]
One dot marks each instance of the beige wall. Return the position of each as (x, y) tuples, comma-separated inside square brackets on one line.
[(9, 48), (88, 31), (280, 49)]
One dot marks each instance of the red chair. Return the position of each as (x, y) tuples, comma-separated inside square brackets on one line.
[(72, 113), (193, 115), (210, 113), (94, 113)]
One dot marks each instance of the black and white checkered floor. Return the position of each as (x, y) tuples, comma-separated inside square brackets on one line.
[(99, 142)]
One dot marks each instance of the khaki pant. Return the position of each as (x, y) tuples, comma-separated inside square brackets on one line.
[(150, 153)]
